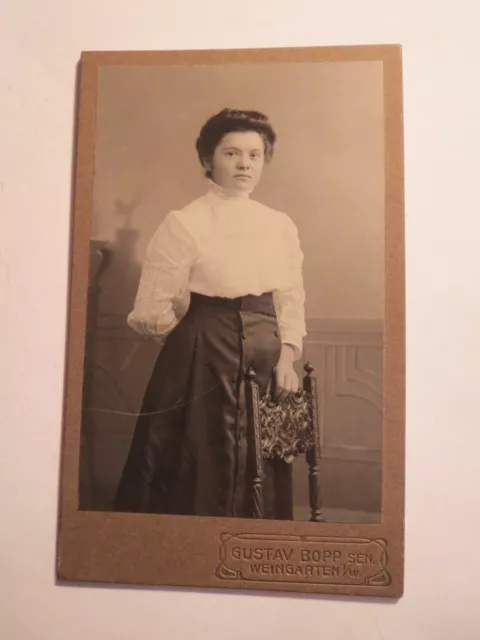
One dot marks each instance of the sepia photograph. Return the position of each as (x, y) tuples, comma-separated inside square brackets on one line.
[(236, 318)]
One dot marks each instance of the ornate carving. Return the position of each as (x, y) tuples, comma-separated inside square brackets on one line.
[(287, 428), (290, 428)]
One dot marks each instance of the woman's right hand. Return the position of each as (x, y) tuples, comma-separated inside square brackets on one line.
[(286, 379)]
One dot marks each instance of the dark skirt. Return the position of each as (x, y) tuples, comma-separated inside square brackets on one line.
[(190, 454)]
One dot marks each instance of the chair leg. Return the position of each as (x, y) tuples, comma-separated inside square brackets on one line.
[(255, 438), (313, 454), (314, 487)]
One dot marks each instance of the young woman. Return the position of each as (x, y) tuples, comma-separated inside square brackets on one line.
[(241, 263)]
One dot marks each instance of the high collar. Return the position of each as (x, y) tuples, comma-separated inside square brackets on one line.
[(216, 191)]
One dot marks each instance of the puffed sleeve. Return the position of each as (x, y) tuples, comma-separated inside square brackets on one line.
[(164, 278), (290, 302)]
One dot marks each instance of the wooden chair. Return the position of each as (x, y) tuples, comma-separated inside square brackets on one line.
[(285, 430)]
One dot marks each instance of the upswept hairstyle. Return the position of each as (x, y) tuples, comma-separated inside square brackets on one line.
[(229, 120)]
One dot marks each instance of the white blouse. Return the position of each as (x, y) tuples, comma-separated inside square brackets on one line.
[(224, 245)]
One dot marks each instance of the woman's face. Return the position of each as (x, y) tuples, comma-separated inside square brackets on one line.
[(238, 161)]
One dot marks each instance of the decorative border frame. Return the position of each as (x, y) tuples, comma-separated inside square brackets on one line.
[(195, 551)]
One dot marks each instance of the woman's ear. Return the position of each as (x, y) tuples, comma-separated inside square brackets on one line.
[(207, 168)]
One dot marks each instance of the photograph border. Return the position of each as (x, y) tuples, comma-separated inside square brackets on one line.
[(203, 552)]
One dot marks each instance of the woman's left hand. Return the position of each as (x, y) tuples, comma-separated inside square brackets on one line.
[(286, 378)]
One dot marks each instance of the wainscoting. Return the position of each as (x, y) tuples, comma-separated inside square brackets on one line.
[(348, 360)]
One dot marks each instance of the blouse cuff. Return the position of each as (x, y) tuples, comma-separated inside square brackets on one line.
[(295, 340), (151, 326)]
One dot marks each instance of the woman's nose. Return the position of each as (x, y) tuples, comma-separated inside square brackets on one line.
[(243, 163)]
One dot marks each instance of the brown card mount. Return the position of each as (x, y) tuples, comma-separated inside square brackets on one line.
[(337, 172)]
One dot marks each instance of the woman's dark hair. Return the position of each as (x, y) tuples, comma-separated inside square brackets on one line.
[(229, 120)]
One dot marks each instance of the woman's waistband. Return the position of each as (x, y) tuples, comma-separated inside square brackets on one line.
[(257, 304)]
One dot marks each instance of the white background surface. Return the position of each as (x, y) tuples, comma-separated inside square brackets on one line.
[(40, 43)]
